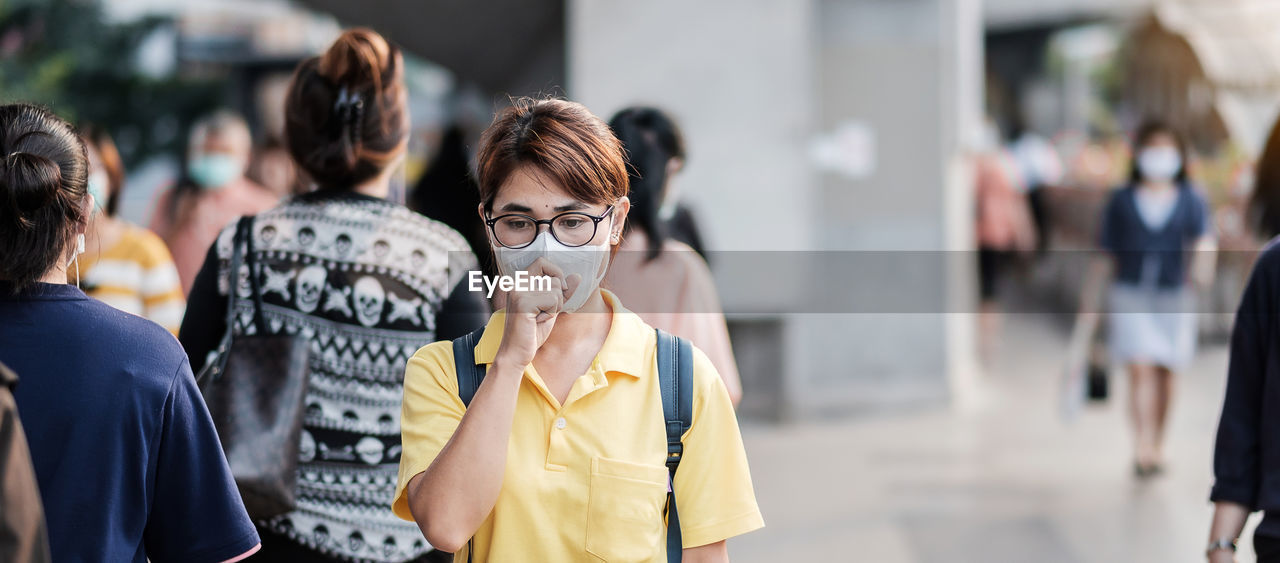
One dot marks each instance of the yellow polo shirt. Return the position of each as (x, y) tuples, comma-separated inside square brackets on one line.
[(586, 481)]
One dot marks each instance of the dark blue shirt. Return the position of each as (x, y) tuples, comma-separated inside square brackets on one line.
[(1136, 247), (1246, 458), (127, 458)]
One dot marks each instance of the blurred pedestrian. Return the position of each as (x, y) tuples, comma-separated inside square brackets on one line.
[(367, 281), (1004, 228), (1039, 167), (447, 192), (1159, 240), (213, 192), (129, 465), (679, 221), (559, 454), (124, 265), (23, 537), (664, 280)]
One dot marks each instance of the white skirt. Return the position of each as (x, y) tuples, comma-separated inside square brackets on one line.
[(1152, 326)]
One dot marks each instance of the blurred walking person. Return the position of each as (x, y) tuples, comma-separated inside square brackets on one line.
[(365, 280), (213, 193), (1039, 167), (448, 193), (664, 281), (1158, 237), (128, 462), (1004, 228), (124, 265)]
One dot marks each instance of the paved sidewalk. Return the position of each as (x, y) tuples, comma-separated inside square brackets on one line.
[(1003, 481)]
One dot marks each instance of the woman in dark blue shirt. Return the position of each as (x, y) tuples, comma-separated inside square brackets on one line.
[(1158, 239), (125, 454)]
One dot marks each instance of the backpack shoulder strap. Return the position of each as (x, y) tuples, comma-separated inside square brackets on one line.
[(675, 379), (469, 376), (469, 373)]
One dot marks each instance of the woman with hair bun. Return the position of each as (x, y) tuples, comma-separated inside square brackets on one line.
[(126, 456), (367, 281)]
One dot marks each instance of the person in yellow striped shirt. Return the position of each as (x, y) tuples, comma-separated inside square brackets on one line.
[(124, 265)]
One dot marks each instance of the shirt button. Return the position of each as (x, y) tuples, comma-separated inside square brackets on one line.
[(560, 423)]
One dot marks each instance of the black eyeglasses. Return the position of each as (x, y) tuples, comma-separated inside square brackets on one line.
[(572, 228)]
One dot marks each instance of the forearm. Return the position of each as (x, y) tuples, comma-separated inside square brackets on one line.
[(1228, 520), (451, 499), (712, 553)]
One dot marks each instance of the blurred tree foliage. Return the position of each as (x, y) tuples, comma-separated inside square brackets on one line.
[(63, 54)]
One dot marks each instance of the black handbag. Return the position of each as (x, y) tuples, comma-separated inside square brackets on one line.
[(256, 389)]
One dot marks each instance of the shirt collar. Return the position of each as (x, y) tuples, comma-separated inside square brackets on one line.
[(41, 291), (625, 349)]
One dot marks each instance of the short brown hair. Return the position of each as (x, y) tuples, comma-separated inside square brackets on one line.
[(346, 115), (562, 139)]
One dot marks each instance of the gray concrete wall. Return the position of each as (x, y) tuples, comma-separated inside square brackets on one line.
[(755, 84)]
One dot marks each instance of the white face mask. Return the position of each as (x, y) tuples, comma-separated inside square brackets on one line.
[(589, 262), (1159, 164)]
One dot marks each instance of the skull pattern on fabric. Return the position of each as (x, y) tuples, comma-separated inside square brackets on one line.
[(311, 281), (370, 450), (307, 448), (370, 299), (336, 299), (406, 309), (276, 282), (342, 244)]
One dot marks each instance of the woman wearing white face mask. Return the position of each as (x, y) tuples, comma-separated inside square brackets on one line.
[(124, 265), (1159, 240), (559, 454)]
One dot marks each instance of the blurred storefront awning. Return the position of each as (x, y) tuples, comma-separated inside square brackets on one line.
[(503, 46), (1238, 47), (1003, 14)]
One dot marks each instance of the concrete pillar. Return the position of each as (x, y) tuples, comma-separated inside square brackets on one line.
[(757, 85)]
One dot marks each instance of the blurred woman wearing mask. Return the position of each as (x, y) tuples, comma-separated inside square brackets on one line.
[(366, 280), (665, 281), (1159, 239), (560, 454), (125, 266), (126, 456), (215, 192)]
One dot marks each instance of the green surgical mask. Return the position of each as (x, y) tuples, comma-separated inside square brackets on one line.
[(97, 187), (214, 171)]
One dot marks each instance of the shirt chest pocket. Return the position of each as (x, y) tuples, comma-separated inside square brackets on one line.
[(624, 510)]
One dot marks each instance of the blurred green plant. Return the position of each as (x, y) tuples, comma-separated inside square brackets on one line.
[(65, 54)]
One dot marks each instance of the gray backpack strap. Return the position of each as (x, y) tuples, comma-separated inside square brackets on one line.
[(469, 373), (675, 379)]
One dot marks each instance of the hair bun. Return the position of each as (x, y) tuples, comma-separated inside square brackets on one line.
[(358, 59), (31, 180)]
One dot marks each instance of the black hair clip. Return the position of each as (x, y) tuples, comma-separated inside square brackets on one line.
[(347, 101), (350, 107)]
